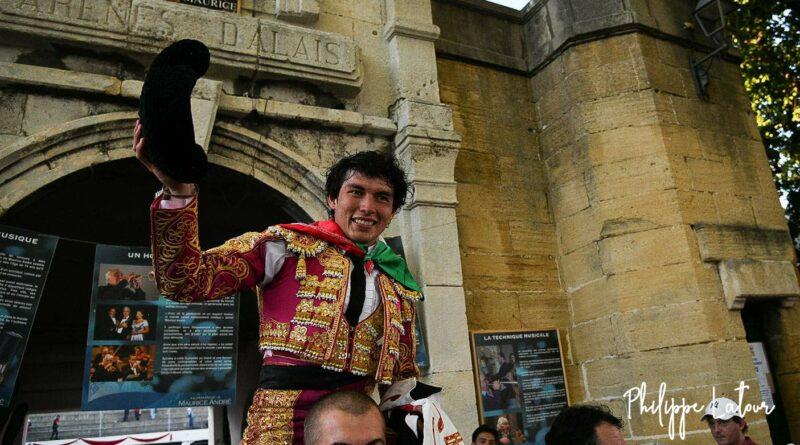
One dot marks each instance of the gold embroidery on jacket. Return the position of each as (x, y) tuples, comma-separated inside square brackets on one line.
[(365, 349), (269, 418)]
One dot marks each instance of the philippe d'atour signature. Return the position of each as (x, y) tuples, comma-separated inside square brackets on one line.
[(672, 408)]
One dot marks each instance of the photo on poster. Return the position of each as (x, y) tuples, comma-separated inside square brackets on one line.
[(126, 322), (118, 363), (520, 381), (126, 282), (145, 351)]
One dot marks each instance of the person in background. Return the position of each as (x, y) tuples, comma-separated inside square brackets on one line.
[(726, 422), (485, 435), (345, 417), (585, 424)]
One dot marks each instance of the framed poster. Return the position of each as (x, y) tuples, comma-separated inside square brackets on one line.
[(520, 381), (25, 259), (144, 351)]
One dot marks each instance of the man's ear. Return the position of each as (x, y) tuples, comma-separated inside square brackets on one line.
[(331, 202)]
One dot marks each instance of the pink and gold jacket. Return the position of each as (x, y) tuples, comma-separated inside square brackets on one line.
[(302, 309)]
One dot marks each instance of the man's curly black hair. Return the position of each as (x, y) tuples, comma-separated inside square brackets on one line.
[(372, 164), (575, 425)]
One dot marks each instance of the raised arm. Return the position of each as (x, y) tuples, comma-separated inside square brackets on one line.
[(184, 272)]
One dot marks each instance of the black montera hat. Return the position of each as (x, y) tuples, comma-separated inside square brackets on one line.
[(165, 111)]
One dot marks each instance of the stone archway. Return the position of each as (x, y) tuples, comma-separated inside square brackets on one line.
[(33, 162)]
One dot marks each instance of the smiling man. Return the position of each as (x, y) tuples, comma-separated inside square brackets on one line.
[(336, 304)]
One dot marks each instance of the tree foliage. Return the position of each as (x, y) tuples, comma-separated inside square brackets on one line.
[(767, 33)]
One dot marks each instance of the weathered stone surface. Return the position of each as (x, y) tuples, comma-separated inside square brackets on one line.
[(235, 41), (678, 367), (725, 242), (45, 112), (758, 279), (300, 11), (204, 102), (34, 75), (13, 106)]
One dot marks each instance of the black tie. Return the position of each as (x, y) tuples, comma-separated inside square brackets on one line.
[(358, 287)]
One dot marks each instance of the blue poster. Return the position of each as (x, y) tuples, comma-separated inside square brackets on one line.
[(144, 351), (25, 259), (522, 383)]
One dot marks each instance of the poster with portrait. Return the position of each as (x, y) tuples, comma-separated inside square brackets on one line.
[(25, 259), (145, 351), (520, 382)]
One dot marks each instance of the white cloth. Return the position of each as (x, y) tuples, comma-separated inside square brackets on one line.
[(434, 418)]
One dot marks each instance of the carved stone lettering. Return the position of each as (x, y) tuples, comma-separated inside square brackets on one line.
[(236, 41), (94, 14)]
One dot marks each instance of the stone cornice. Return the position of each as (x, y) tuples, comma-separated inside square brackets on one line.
[(147, 26), (350, 121), (420, 31)]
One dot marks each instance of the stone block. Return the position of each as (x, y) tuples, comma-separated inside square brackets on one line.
[(569, 162), (8, 139), (637, 176), (502, 272), (13, 106), (532, 238), (675, 325), (580, 267), (625, 143), (45, 112), (368, 11), (758, 279), (724, 242), (734, 209), (444, 315), (579, 229), (299, 11), (543, 310), (568, 198), (644, 250), (697, 207), (594, 339), (639, 212), (413, 113), (667, 79), (63, 79), (458, 389), (493, 308), (709, 176), (678, 367)]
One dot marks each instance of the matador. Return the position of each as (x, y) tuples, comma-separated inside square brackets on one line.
[(336, 304)]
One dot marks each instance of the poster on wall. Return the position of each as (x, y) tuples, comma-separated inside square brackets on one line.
[(520, 381), (145, 351), (25, 259), (766, 385)]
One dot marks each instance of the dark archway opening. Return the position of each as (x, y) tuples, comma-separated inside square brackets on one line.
[(109, 204)]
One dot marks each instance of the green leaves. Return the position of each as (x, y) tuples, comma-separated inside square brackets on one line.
[(767, 33)]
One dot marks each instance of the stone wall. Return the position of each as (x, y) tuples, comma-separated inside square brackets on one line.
[(636, 164), (505, 228), (659, 209)]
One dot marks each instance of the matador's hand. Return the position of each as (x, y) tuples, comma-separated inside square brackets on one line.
[(175, 187)]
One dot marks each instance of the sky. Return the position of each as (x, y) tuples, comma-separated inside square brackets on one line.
[(516, 4)]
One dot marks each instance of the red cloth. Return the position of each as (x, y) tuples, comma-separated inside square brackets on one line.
[(327, 231)]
